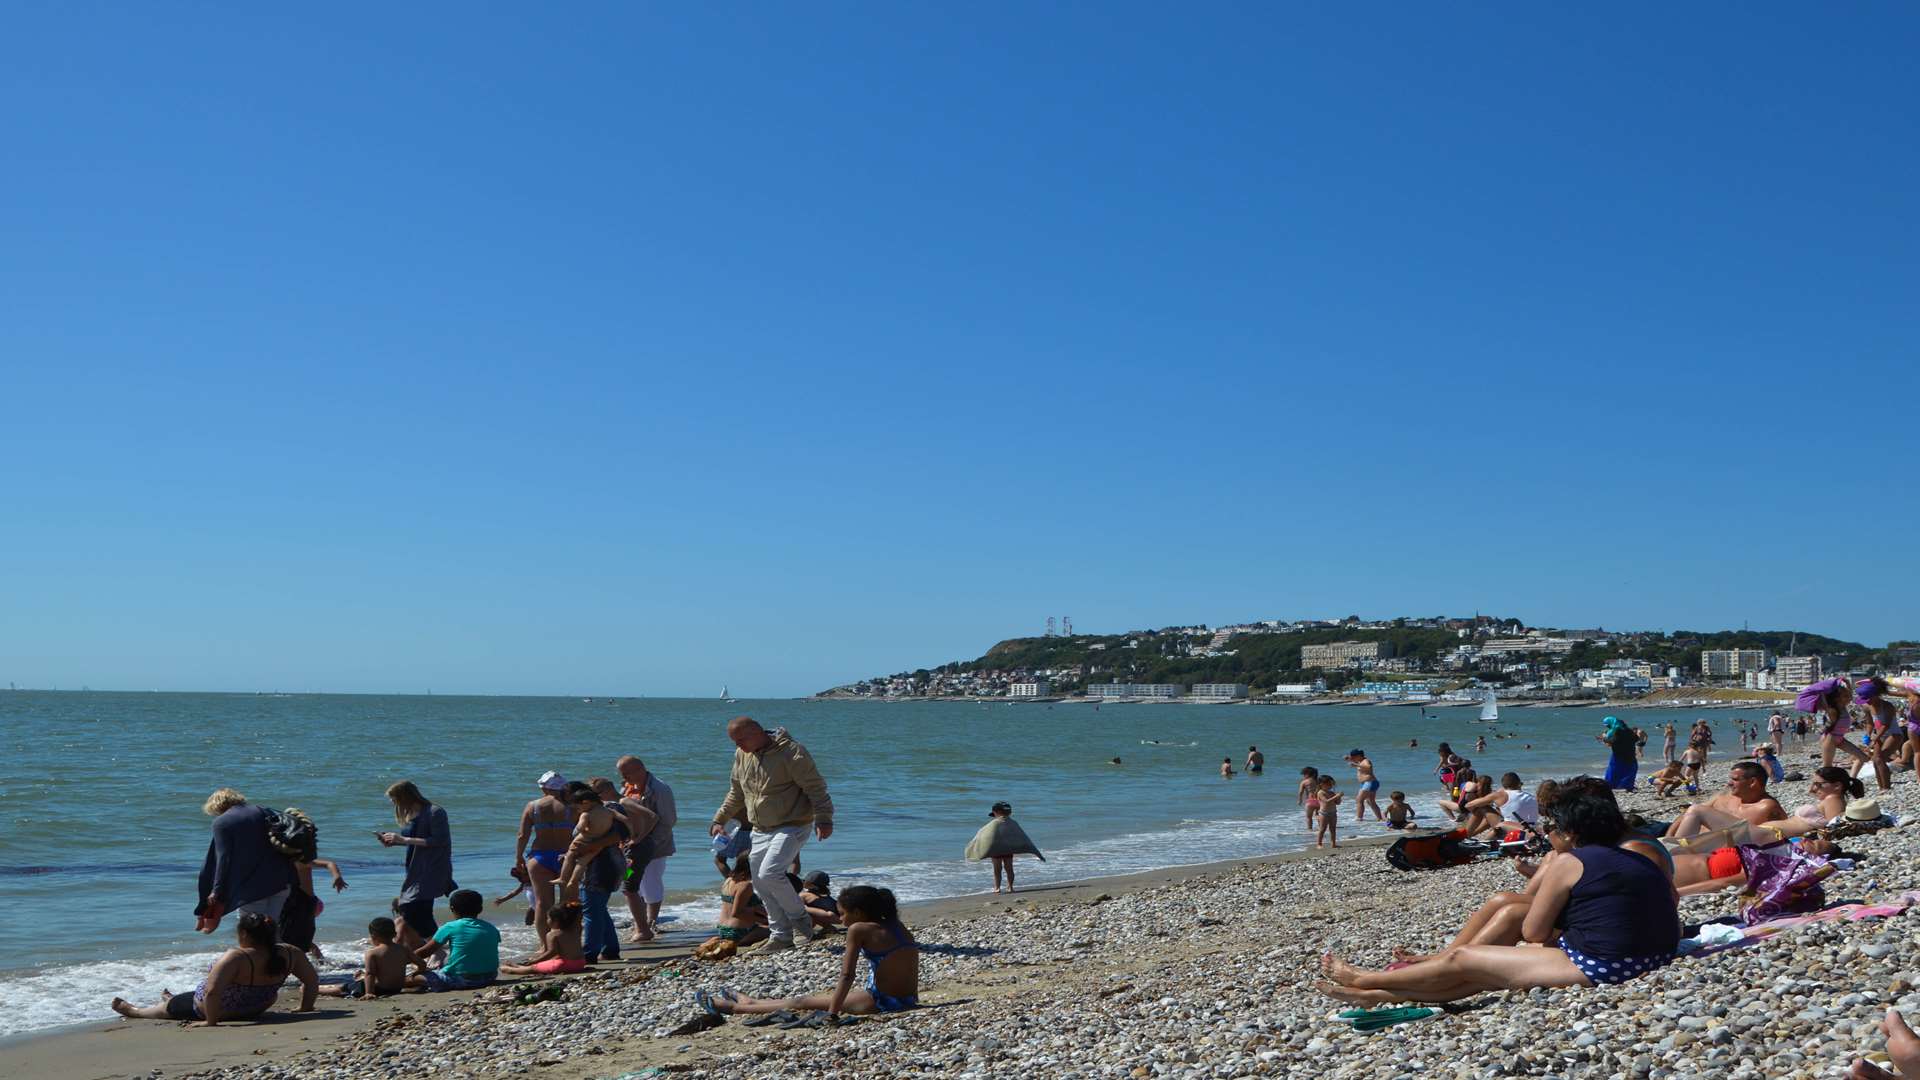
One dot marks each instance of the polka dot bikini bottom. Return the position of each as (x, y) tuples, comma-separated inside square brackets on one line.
[(1617, 970)]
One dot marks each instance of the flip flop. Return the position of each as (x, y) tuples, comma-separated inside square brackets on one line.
[(1386, 1018), (765, 1019), (705, 1001), (811, 1020)]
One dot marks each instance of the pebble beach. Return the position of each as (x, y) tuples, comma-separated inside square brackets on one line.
[(1200, 972)]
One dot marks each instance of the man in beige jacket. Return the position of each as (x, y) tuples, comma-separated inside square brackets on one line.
[(776, 787)]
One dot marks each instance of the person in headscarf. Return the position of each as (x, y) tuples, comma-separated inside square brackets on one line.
[(1623, 766)]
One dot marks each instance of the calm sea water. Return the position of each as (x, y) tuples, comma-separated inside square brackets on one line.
[(101, 834)]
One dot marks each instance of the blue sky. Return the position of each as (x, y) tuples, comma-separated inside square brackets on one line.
[(634, 349)]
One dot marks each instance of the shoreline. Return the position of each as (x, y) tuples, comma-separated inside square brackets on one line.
[(1205, 967), (119, 1048)]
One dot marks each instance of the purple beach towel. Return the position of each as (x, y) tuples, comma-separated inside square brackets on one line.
[(1809, 699)]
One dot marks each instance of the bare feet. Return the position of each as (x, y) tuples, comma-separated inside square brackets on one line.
[(122, 1006), (1352, 996), (1338, 970), (1407, 956)]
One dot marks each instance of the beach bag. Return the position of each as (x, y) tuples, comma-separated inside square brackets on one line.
[(293, 834), (1780, 882), (1431, 851)]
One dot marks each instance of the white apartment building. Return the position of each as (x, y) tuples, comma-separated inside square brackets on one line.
[(1166, 691), (1794, 672), (1037, 689), (1498, 646), (1340, 654), (1731, 663), (1221, 691)]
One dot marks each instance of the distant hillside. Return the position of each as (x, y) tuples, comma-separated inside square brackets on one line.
[(1262, 660)]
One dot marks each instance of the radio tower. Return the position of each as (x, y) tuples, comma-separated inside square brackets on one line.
[(1066, 626), (1049, 626)]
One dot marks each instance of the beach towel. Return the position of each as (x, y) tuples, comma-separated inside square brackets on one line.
[(1780, 882), (1430, 851), (1001, 836)]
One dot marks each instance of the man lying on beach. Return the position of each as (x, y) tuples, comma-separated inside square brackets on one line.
[(1605, 914), (1746, 799)]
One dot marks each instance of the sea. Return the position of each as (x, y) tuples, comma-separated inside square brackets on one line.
[(102, 835)]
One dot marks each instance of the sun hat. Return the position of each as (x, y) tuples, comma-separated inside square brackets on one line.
[(1867, 689), (552, 781), (1863, 810)]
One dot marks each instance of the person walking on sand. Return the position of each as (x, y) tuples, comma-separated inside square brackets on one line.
[(1256, 761), (243, 872), (645, 886), (778, 787), (1832, 699), (546, 827), (999, 840), (1623, 766), (1668, 744), (1369, 786)]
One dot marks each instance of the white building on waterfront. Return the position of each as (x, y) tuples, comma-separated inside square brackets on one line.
[(1036, 689), (1794, 672), (1731, 663), (1158, 691), (1210, 691)]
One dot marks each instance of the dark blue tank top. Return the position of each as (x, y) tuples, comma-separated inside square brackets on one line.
[(1622, 906)]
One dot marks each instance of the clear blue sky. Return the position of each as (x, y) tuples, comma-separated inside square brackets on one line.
[(645, 348)]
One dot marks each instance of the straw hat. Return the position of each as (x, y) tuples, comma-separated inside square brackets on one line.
[(1863, 810)]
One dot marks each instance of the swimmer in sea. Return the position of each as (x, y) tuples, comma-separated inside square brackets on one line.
[(1226, 768), (1115, 761), (1256, 761)]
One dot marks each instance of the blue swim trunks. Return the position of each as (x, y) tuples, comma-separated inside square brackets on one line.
[(547, 858), (1370, 785)]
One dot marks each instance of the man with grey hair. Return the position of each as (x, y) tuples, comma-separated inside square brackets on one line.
[(778, 788), (645, 885)]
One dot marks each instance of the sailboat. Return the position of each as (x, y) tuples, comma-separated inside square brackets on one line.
[(725, 697), (1490, 709)]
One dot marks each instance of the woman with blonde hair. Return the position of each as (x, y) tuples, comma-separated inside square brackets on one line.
[(429, 842), (243, 872)]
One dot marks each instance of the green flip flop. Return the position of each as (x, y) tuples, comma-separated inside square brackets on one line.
[(1380, 1019)]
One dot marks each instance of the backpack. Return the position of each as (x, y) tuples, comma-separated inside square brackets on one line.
[(293, 834), (1432, 850)]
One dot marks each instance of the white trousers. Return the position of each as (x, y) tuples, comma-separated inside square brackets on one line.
[(772, 856)]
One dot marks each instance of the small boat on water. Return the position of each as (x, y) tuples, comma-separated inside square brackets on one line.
[(725, 698), (1490, 709)]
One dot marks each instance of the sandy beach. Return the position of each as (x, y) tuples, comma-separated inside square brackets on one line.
[(1189, 972)]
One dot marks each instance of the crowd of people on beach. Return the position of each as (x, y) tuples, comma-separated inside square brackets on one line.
[(1601, 904), (579, 843)]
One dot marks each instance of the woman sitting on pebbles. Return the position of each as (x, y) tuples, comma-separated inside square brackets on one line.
[(743, 917), (873, 931), (241, 985), (1613, 912), (1499, 920)]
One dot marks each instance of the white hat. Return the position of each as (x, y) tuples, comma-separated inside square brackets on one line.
[(552, 781)]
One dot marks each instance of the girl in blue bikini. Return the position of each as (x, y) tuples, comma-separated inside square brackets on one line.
[(873, 931)]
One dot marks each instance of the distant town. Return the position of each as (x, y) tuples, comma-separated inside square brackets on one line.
[(1408, 661)]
